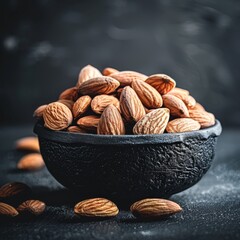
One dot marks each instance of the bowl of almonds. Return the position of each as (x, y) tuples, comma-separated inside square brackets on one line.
[(125, 135)]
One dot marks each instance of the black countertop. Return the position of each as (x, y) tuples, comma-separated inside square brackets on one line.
[(211, 208)]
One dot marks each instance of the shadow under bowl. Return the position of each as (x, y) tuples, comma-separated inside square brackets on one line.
[(128, 167)]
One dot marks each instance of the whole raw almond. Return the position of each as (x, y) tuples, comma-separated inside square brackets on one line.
[(175, 105), (205, 119), (57, 116), (87, 73), (39, 111), (161, 82), (149, 96), (187, 99), (108, 71), (100, 102), (111, 122), (131, 106), (99, 85), (154, 122), (7, 211), (69, 94), (66, 102), (182, 125), (96, 207), (89, 123), (15, 192), (127, 77), (31, 207), (81, 106), (154, 208), (76, 129), (28, 143), (31, 162), (180, 91)]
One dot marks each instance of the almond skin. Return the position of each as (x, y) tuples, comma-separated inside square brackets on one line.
[(14, 192), (81, 106), (7, 211), (76, 129), (57, 116), (100, 102), (180, 91), (161, 82), (96, 207), (175, 105), (205, 119), (154, 208), (111, 122), (28, 143), (31, 162), (131, 106), (39, 111), (127, 77), (99, 85), (89, 123), (31, 207), (87, 73), (108, 71), (187, 99), (182, 125), (69, 94), (197, 106), (149, 96), (154, 122)]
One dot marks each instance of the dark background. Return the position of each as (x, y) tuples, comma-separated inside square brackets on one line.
[(44, 44)]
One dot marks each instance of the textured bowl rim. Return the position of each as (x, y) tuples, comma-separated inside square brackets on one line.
[(94, 139)]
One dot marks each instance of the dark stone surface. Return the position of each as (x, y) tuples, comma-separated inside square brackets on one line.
[(211, 207), (133, 166), (43, 45)]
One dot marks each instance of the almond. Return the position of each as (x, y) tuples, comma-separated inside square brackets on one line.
[(100, 102), (154, 122), (161, 82), (131, 106), (190, 101), (81, 106), (28, 143), (187, 99), (87, 73), (111, 122), (99, 85), (205, 119), (182, 125), (31, 162), (7, 211), (154, 208), (108, 71), (14, 192), (76, 129), (69, 94), (57, 116), (89, 123), (31, 207), (197, 106), (127, 77), (96, 207), (66, 102), (39, 111), (149, 96), (175, 105)]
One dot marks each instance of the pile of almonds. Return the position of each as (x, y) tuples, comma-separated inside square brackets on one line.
[(15, 194), (124, 102)]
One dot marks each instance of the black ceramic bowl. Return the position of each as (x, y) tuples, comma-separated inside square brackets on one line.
[(128, 167)]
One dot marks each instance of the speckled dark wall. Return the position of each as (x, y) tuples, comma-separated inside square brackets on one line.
[(45, 43)]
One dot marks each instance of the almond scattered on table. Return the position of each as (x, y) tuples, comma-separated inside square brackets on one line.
[(152, 208), (31, 207), (134, 95), (96, 207), (28, 143), (7, 211), (31, 162)]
